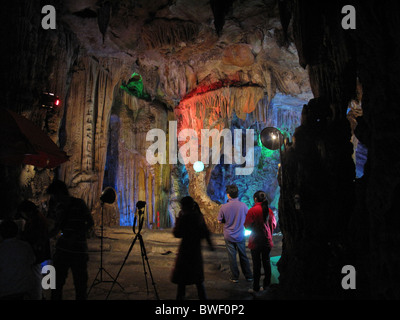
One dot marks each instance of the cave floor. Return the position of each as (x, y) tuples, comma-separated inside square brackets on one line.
[(161, 248)]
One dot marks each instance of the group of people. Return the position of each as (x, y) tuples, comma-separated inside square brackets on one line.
[(26, 246), (236, 217)]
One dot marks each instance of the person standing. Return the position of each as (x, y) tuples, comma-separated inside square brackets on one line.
[(191, 227), (35, 232), (17, 259), (261, 221), (233, 214), (73, 219)]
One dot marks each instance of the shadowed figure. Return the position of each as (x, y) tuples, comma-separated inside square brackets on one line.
[(36, 233), (191, 227), (73, 219), (17, 279)]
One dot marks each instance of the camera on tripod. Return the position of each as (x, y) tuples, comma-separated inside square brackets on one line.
[(140, 205)]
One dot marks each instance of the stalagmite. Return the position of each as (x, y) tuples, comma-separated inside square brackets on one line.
[(213, 110)]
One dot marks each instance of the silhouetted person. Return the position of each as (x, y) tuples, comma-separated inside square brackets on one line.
[(261, 221), (73, 218), (35, 232), (191, 227), (17, 280), (233, 215)]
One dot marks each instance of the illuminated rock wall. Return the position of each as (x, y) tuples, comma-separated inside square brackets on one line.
[(282, 112), (127, 169), (212, 110), (192, 74), (87, 113)]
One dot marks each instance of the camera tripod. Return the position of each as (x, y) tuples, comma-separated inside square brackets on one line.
[(99, 276), (145, 261)]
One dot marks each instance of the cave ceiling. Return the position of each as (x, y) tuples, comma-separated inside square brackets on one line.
[(181, 46)]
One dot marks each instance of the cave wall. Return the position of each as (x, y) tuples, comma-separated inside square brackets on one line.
[(377, 39), (191, 55), (32, 61), (37, 60), (127, 169), (282, 112), (86, 122), (187, 67), (343, 220), (212, 110), (207, 79)]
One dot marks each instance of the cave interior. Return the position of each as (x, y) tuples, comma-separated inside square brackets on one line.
[(123, 68)]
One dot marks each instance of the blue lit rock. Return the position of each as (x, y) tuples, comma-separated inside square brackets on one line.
[(284, 113)]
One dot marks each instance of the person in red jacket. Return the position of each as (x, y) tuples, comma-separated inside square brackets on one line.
[(261, 221)]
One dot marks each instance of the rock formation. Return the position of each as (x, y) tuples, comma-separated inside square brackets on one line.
[(342, 220), (190, 74), (223, 64)]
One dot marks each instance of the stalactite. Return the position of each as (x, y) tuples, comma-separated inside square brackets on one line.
[(137, 180), (162, 32), (133, 184), (214, 105), (213, 110), (87, 114), (283, 112), (103, 17), (220, 9)]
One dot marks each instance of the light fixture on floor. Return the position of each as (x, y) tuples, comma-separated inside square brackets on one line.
[(109, 196)]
